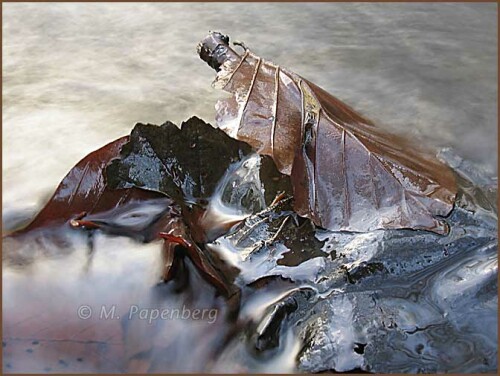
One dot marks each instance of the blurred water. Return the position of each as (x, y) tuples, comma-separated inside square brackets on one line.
[(382, 301), (76, 76)]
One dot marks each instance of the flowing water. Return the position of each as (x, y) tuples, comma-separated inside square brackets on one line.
[(76, 76)]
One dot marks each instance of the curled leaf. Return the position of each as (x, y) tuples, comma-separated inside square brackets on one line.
[(84, 191), (132, 199), (346, 173), (83, 199)]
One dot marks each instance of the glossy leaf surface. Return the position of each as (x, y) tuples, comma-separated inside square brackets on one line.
[(84, 191), (347, 174)]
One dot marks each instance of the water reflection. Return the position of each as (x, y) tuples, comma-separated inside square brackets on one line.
[(77, 76), (385, 301)]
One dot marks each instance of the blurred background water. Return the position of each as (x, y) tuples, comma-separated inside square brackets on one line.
[(77, 76)]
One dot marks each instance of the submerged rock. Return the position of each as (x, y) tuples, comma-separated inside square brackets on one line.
[(382, 301)]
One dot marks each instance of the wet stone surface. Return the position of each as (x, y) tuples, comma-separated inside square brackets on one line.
[(309, 300), (383, 301)]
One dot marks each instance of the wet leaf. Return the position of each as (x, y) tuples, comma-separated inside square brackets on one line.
[(83, 199), (347, 174), (84, 191), (141, 219)]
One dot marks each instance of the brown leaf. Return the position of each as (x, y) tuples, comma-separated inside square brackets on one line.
[(83, 199), (42, 337), (347, 174), (84, 190)]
